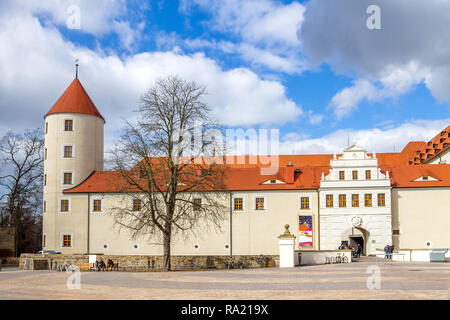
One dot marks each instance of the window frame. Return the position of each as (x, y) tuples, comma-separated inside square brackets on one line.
[(264, 197), (383, 202), (64, 151), (63, 234), (64, 124), (368, 198), (234, 203), (355, 202), (301, 198), (195, 206), (368, 173), (342, 201), (64, 178), (327, 200), (354, 175), (60, 205), (343, 175), (133, 205)]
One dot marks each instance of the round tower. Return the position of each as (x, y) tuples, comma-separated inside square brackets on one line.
[(73, 150)]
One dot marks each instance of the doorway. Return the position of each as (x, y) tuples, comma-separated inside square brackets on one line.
[(357, 239)]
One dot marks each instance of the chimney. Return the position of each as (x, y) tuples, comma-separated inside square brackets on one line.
[(289, 175)]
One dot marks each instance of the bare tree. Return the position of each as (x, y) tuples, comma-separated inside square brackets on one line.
[(172, 188), (21, 182)]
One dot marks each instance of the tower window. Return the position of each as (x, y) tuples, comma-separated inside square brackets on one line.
[(341, 175), (355, 200), (381, 200), (137, 205), (68, 125), (45, 179), (97, 205), (368, 200), (238, 204), (46, 127), (329, 201), (64, 205), (342, 201), (44, 240), (45, 154), (44, 206), (304, 203), (67, 178), (68, 152)]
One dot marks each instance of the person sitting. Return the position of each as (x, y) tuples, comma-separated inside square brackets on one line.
[(101, 266), (110, 265)]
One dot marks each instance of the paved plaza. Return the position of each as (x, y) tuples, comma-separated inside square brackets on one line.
[(398, 280)]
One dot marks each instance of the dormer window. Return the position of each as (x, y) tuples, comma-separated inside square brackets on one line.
[(273, 181)]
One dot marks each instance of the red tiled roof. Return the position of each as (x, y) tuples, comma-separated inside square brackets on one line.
[(75, 100), (404, 176), (435, 146)]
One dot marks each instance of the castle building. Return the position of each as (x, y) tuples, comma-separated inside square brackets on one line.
[(372, 199)]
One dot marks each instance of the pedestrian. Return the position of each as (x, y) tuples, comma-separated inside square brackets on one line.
[(359, 249), (391, 249), (386, 251)]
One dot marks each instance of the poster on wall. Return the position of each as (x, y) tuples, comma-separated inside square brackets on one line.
[(305, 231)]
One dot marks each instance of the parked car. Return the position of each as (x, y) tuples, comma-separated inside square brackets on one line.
[(48, 252)]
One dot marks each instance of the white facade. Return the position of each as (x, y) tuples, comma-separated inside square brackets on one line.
[(345, 219)]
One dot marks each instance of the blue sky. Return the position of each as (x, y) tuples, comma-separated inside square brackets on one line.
[(310, 68)]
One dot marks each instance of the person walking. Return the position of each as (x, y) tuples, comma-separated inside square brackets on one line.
[(359, 250), (386, 251)]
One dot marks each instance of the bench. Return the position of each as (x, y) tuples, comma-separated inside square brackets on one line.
[(85, 266)]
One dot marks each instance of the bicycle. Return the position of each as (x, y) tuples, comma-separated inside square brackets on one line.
[(341, 258)]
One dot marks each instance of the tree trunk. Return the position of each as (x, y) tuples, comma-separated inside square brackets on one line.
[(167, 252)]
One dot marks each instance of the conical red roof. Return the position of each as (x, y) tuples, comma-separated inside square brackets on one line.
[(75, 100)]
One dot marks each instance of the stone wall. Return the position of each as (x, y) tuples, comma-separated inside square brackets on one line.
[(140, 263), (6, 242)]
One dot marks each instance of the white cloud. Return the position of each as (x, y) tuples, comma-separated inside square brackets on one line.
[(384, 139), (266, 30), (36, 64), (413, 46)]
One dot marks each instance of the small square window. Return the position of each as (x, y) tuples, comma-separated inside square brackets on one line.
[(259, 203), (67, 241), (97, 205), (304, 203), (67, 178), (238, 204), (68, 125), (68, 152), (197, 204), (137, 205), (64, 205)]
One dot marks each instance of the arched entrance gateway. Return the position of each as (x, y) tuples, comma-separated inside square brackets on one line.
[(356, 235)]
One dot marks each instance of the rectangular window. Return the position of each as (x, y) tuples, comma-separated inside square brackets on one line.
[(355, 175), (368, 174), (197, 204), (342, 201), (137, 205), (381, 200), (68, 151), (45, 154), (259, 203), (67, 178), (341, 175), (304, 203), (46, 127), (368, 200), (44, 240), (238, 204), (68, 125), (67, 241), (45, 179), (329, 200), (97, 205), (396, 232), (45, 206), (64, 206), (355, 200)]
